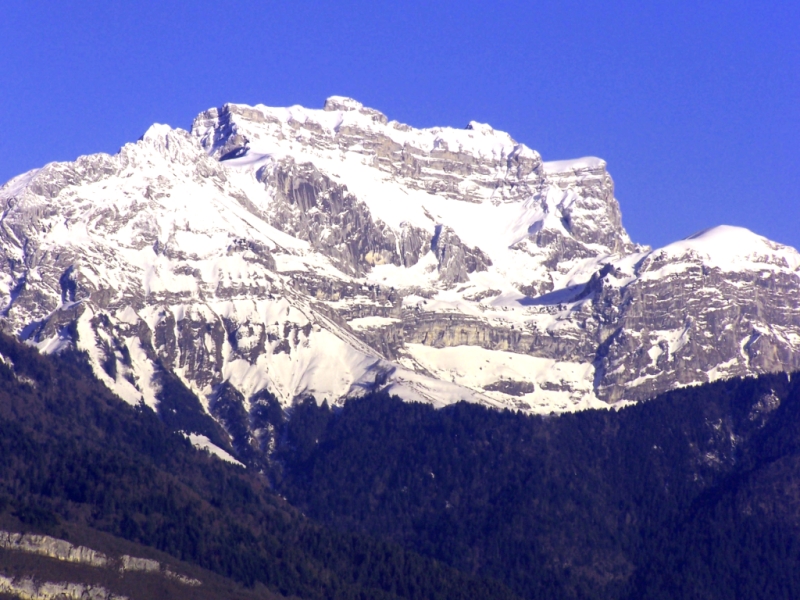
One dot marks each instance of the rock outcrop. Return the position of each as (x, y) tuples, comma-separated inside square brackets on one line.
[(44, 545), (50, 547), (28, 588)]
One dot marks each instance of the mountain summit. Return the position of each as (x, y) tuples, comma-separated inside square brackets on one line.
[(281, 253)]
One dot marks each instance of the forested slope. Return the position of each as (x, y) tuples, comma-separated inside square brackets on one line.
[(695, 494), (74, 458)]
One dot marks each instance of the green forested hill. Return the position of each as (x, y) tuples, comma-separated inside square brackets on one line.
[(74, 458), (695, 494)]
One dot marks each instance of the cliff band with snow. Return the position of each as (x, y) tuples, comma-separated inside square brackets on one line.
[(289, 252)]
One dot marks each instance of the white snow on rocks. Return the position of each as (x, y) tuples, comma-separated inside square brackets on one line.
[(168, 242), (575, 164), (731, 248)]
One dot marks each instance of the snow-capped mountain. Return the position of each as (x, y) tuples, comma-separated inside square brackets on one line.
[(291, 252)]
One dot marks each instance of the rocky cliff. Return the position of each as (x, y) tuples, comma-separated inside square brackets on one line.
[(277, 253)]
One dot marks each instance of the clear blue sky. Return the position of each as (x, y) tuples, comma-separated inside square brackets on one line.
[(694, 105)]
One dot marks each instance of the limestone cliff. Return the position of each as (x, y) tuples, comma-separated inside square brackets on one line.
[(277, 253)]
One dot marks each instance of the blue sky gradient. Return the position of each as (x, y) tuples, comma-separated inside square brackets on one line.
[(695, 106)]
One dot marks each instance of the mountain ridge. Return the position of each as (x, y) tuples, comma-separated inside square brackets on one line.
[(296, 252)]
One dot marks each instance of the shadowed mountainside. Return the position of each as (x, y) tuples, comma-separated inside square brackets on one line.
[(74, 460), (695, 494)]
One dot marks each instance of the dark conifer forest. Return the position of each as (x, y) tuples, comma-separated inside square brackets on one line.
[(72, 454), (695, 494)]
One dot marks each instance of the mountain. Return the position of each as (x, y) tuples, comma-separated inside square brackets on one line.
[(283, 253), (99, 499)]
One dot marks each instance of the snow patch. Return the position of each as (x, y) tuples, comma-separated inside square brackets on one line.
[(575, 164), (201, 442), (730, 248)]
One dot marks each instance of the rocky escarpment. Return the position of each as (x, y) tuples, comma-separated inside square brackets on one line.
[(62, 550), (693, 326), (435, 166), (308, 205), (456, 260), (45, 545), (272, 254), (30, 589)]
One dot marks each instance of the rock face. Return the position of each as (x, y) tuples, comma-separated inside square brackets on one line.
[(30, 589), (456, 261), (722, 304), (44, 545), (310, 206), (276, 253)]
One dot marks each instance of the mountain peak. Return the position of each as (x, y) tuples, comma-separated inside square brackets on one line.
[(342, 103), (733, 248), (484, 128), (291, 252), (156, 131)]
